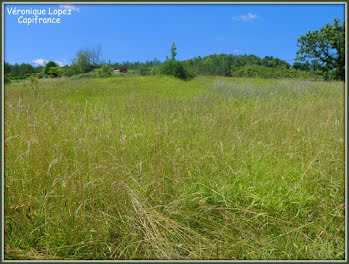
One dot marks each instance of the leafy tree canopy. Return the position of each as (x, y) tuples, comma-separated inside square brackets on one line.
[(50, 64), (327, 45)]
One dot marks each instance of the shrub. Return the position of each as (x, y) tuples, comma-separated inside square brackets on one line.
[(71, 70), (34, 83), (104, 71), (55, 72), (176, 69)]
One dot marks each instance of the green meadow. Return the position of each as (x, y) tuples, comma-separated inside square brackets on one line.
[(154, 167)]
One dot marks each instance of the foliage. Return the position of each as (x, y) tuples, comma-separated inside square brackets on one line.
[(71, 70), (55, 72), (222, 63), (19, 71), (86, 60), (135, 65), (34, 83), (215, 65), (302, 66), (143, 70), (49, 65), (105, 71), (259, 71), (327, 45), (82, 61), (173, 51), (176, 69)]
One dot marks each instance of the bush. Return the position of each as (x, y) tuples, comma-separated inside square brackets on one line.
[(55, 72), (34, 83), (104, 71), (71, 70), (176, 69)]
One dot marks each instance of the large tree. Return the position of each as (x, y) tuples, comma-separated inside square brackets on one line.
[(327, 45), (87, 59), (83, 60)]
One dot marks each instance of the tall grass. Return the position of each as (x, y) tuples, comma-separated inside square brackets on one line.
[(158, 168)]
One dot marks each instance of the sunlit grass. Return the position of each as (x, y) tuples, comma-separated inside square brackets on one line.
[(158, 168)]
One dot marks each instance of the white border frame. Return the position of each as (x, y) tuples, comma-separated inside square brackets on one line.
[(173, 261)]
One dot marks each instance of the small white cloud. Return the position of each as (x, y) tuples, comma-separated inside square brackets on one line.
[(248, 17), (40, 62), (71, 7)]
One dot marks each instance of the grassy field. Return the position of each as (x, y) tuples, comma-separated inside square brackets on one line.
[(158, 168)]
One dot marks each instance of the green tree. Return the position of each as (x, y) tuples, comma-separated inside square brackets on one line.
[(49, 65), (175, 68), (301, 66), (326, 45), (83, 60), (173, 51)]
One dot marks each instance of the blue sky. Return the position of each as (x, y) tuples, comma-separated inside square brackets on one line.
[(142, 32)]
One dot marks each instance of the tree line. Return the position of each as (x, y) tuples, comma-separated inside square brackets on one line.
[(215, 65)]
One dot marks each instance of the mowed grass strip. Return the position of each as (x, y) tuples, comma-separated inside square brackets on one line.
[(158, 168)]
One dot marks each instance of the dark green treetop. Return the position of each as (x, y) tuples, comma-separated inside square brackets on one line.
[(173, 51), (327, 45)]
